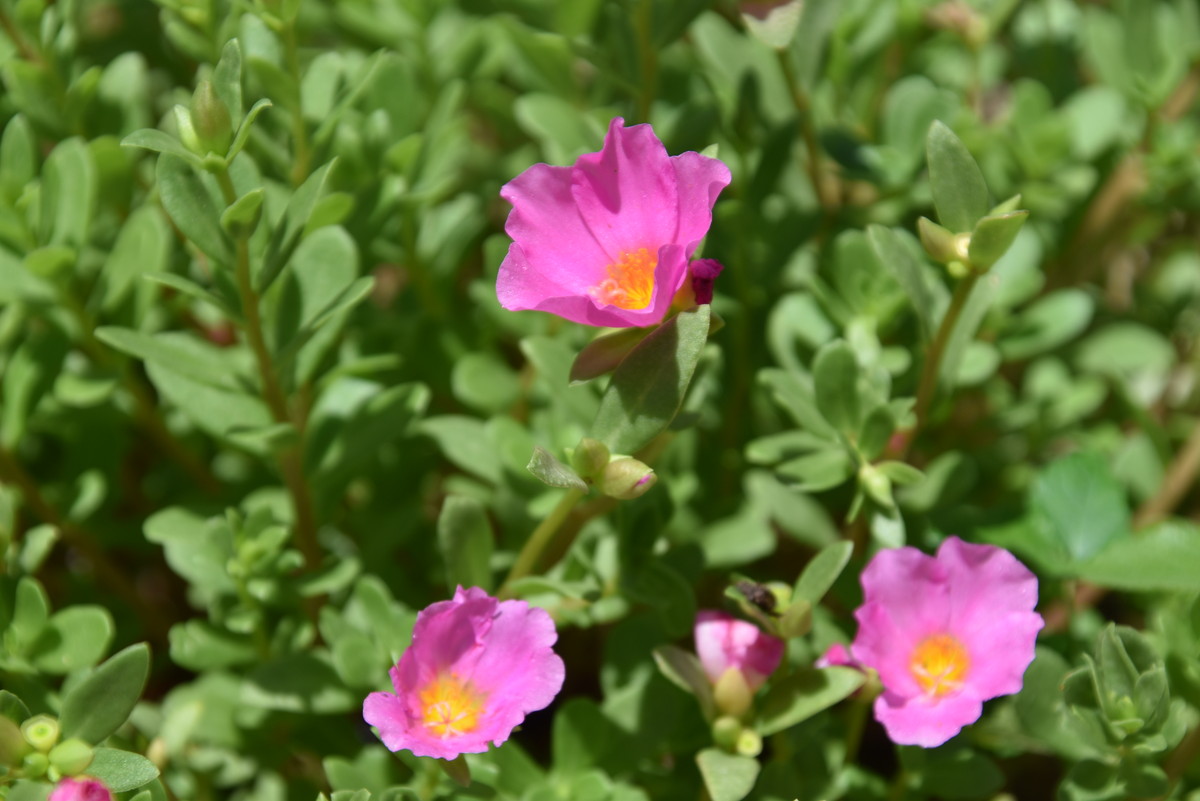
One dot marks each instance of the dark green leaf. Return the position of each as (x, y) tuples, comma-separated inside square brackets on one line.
[(192, 208), (95, 707), (603, 354), (835, 383), (1165, 558), (291, 226), (820, 573), (648, 387), (1081, 505), (683, 669)]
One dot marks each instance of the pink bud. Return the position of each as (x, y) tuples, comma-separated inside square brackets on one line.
[(84, 789), (723, 642)]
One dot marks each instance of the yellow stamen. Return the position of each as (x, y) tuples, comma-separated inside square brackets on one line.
[(630, 282), (939, 664), (452, 706)]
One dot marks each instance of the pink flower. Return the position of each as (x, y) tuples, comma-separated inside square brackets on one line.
[(475, 669), (606, 241), (725, 643), (945, 633), (837, 655), (83, 789)]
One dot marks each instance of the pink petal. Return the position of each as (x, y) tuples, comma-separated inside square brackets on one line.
[(883, 645), (1000, 652), (626, 193), (924, 721), (985, 583), (912, 587), (723, 642), (700, 180), (556, 243)]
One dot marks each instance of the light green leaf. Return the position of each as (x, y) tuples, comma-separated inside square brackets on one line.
[(727, 777), (993, 236), (68, 194), (549, 470), (291, 226), (604, 353), (1165, 558), (683, 669), (95, 707), (74, 638), (121, 771), (908, 273), (959, 193), (648, 387), (160, 142), (820, 573), (192, 208), (835, 384)]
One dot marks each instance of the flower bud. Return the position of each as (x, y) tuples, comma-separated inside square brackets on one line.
[(80, 790), (704, 275), (938, 241), (877, 485), (41, 732), (210, 119), (71, 757), (626, 478), (589, 458), (749, 743), (732, 693), (34, 765), (724, 642), (725, 732)]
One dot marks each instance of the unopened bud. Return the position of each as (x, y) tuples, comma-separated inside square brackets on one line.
[(34, 765), (704, 275), (725, 732), (938, 242), (877, 484), (41, 732), (12, 745), (210, 118), (732, 693), (589, 458), (626, 478), (749, 743), (71, 757)]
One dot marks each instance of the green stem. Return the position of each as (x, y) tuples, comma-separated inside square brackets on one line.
[(854, 729), (18, 39), (532, 551), (933, 359), (649, 58), (291, 464), (825, 190)]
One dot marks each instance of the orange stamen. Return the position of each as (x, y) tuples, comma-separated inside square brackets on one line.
[(939, 664), (630, 282)]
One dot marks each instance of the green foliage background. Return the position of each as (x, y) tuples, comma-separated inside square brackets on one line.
[(260, 404)]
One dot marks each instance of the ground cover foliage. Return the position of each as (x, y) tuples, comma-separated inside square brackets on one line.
[(260, 404)]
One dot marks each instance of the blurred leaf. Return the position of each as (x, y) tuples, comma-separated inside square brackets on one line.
[(1081, 505), (74, 638), (604, 353), (821, 571), (68, 194), (648, 387), (287, 233), (684, 670), (192, 208), (907, 270), (301, 683), (959, 193), (803, 694), (96, 706), (835, 381), (465, 540), (993, 236), (1051, 321), (1164, 558), (727, 777)]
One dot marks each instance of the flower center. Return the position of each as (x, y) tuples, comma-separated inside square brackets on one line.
[(939, 664), (630, 282), (451, 706)]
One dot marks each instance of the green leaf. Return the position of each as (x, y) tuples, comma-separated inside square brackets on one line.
[(1051, 321), (241, 218), (291, 226), (18, 156), (172, 350), (952, 772), (803, 694), (160, 142), (143, 246), (69, 187), (1081, 506), (121, 771), (13, 708), (817, 21), (683, 669), (835, 383), (74, 638), (243, 133), (820, 573), (95, 707), (192, 208), (580, 736), (485, 382), (193, 290), (819, 470), (227, 78), (549, 470), (727, 777), (302, 683), (1165, 558), (603, 354), (31, 611), (465, 540), (959, 193), (993, 236), (198, 645), (648, 387)]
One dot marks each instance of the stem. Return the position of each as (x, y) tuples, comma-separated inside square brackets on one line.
[(854, 729), (291, 464), (299, 131), (826, 191), (113, 577), (1180, 477), (542, 535), (933, 360), (1181, 759), (18, 39)]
